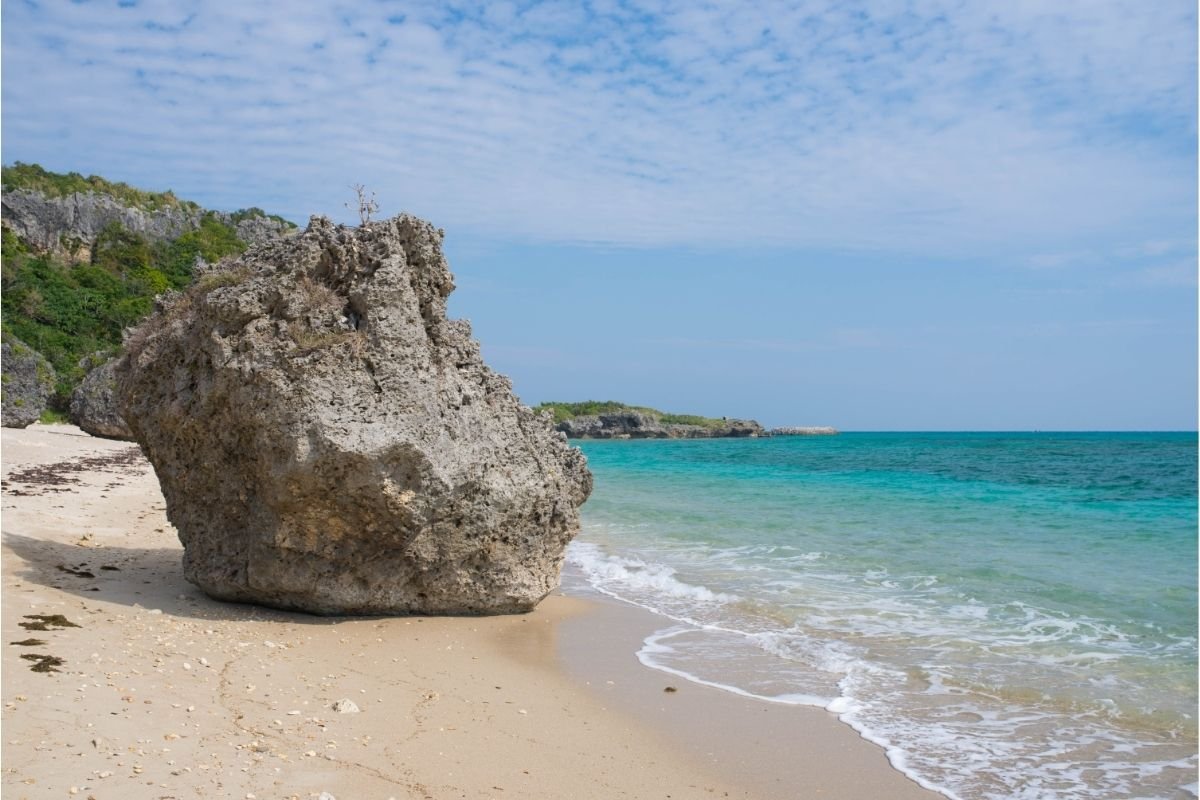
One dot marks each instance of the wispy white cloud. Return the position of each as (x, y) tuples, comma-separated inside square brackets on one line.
[(1058, 260), (827, 341), (930, 126), (1176, 274)]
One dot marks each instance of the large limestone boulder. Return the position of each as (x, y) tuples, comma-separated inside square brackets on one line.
[(94, 404), (328, 441), (26, 383)]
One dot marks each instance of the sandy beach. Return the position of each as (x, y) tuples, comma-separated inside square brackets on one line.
[(121, 680)]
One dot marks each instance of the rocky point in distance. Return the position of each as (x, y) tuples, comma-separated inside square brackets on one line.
[(609, 419)]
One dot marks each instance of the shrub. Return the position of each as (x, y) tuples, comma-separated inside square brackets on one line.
[(52, 184), (66, 310), (52, 417)]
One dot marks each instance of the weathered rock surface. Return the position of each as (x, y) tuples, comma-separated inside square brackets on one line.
[(328, 441), (94, 404), (257, 230), (637, 425), (70, 225), (26, 383)]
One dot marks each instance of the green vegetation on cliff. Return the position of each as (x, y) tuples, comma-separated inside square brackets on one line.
[(55, 184), (255, 211), (565, 411), (69, 308), (69, 311)]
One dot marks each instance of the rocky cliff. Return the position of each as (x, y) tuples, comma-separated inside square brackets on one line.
[(84, 258), (641, 425), (26, 382), (328, 441), (69, 225)]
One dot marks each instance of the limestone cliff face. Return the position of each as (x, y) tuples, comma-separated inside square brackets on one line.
[(69, 225), (328, 441), (638, 425), (28, 381)]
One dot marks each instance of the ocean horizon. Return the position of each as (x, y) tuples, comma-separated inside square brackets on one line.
[(1009, 614)]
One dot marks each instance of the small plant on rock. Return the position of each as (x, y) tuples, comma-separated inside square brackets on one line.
[(366, 205)]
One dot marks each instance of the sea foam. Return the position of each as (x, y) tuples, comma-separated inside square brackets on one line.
[(984, 607)]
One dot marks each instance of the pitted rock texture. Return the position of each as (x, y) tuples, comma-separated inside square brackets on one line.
[(257, 230), (328, 441), (94, 404), (28, 382)]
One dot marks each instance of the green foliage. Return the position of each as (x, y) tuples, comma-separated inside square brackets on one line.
[(10, 243), (565, 411), (254, 212), (52, 417), (64, 313), (70, 311), (53, 184), (212, 241)]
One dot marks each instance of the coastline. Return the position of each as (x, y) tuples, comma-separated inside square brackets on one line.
[(163, 692), (777, 751)]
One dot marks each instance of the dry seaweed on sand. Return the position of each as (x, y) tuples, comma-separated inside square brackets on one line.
[(43, 663), (63, 476), (46, 622)]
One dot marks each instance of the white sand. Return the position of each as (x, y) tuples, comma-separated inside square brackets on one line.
[(164, 693)]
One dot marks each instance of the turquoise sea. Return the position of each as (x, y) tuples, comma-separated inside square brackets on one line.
[(1011, 615)]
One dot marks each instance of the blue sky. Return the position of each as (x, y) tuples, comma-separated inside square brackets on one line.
[(887, 215)]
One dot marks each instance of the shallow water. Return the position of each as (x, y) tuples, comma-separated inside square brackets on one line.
[(1010, 615)]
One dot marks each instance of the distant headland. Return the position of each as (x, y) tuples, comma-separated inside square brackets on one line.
[(609, 419)]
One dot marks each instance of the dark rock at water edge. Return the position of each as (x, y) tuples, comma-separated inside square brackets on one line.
[(94, 404), (328, 441), (27, 383), (639, 425)]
